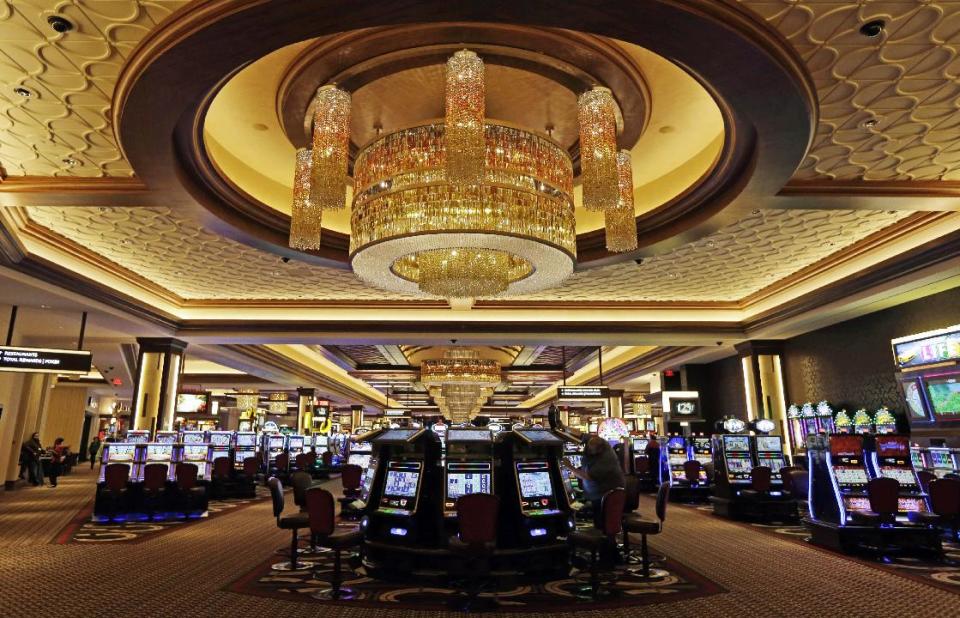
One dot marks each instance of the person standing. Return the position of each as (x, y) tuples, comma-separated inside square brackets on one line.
[(33, 450), (57, 456), (94, 450)]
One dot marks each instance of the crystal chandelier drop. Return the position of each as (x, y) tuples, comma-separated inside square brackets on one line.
[(278, 403), (460, 382), (620, 223), (597, 115), (465, 111), (305, 219), (331, 148), (247, 400)]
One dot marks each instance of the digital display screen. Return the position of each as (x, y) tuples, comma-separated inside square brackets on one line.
[(896, 446), (220, 439), (193, 437), (773, 464), (914, 397), (246, 439), (940, 458), (904, 476), (121, 452), (540, 436), (535, 484), (676, 444), (575, 460), (398, 434), (736, 443), (769, 443), (366, 483), (463, 483), (851, 476), (640, 444), (702, 445), (402, 484), (195, 451), (191, 403), (465, 435), (359, 459), (159, 451), (739, 466), (944, 393), (361, 447)]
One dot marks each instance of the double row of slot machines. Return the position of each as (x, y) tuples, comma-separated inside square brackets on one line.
[(170, 448), (681, 449), (938, 461), (735, 456), (410, 489), (841, 465)]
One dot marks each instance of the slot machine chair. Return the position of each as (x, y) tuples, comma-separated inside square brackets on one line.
[(474, 545), (351, 476), (154, 488), (645, 527), (222, 484), (301, 463), (696, 489), (883, 493), (281, 466), (594, 539), (630, 508), (321, 520), (294, 523), (758, 501), (800, 490), (247, 478), (924, 478), (112, 495), (944, 507), (188, 495)]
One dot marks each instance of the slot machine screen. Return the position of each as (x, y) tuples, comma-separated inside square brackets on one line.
[(366, 483), (737, 465), (640, 444), (769, 443), (940, 458), (701, 444), (851, 476), (904, 476), (736, 444), (676, 444), (535, 484), (359, 459), (193, 437), (246, 439), (774, 464), (944, 396), (195, 451), (464, 483), (159, 451), (575, 460), (401, 484), (121, 452), (220, 439), (914, 398)]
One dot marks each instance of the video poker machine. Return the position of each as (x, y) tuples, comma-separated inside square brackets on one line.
[(733, 465), (769, 451), (468, 467), (891, 459), (138, 436), (244, 446), (219, 442), (118, 453), (677, 455), (156, 453)]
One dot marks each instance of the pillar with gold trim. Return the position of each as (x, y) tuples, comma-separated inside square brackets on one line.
[(159, 364), (305, 400), (763, 383)]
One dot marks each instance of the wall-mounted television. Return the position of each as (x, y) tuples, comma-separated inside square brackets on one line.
[(943, 393), (916, 404), (192, 403)]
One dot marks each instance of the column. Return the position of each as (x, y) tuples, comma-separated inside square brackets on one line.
[(305, 398), (12, 423), (158, 380), (764, 388)]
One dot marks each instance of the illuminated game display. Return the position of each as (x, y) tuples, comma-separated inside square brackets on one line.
[(401, 488), (944, 395), (295, 445), (117, 453), (770, 454), (843, 423), (219, 442), (892, 460), (366, 481), (245, 445), (913, 395), (676, 457), (862, 421), (537, 496), (166, 437), (192, 437), (467, 478), (139, 436), (197, 454), (640, 445), (613, 429), (158, 453), (942, 461), (884, 421), (737, 458), (273, 445), (360, 454)]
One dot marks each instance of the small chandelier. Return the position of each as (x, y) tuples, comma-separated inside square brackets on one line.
[(597, 114), (460, 382), (620, 223), (247, 400), (278, 403)]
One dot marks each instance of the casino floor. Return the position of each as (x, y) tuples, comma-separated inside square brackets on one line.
[(184, 573)]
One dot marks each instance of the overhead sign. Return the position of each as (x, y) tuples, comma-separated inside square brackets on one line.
[(396, 412), (43, 360), (928, 348), (583, 392)]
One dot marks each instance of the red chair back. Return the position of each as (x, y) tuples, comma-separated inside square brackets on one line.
[(327, 458), (641, 465), (800, 485), (276, 495), (691, 469), (925, 478), (883, 493), (945, 497), (311, 459), (222, 467), (115, 476), (786, 474), (320, 511), (477, 517), (250, 465), (301, 461), (154, 476), (612, 511), (186, 475), (633, 494), (663, 495), (351, 476), (282, 462), (760, 479)]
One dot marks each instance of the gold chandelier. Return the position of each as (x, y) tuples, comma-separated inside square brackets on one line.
[(460, 382), (278, 403), (247, 400), (465, 208)]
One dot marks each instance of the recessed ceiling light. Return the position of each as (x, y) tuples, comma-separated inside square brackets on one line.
[(873, 29), (869, 123), (26, 93), (756, 211), (259, 126), (71, 162), (44, 306), (60, 24)]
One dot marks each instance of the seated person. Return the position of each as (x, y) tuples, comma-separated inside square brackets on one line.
[(600, 472)]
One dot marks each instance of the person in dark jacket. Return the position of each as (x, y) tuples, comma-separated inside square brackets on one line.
[(33, 450), (600, 473), (94, 450)]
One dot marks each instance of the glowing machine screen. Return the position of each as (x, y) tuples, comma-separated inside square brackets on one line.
[(535, 484), (402, 484)]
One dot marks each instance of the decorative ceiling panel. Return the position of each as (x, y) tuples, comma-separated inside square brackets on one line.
[(362, 354), (64, 128), (728, 265), (888, 105)]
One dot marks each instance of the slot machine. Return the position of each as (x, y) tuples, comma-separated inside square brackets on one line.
[(295, 446), (942, 461), (891, 459), (157, 453), (166, 437), (770, 454), (573, 454), (117, 453), (138, 436), (192, 449), (468, 468), (244, 446), (838, 478), (361, 452), (272, 444), (733, 468), (702, 451), (219, 446), (677, 455)]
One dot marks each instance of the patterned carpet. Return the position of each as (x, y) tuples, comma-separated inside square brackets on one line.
[(188, 571)]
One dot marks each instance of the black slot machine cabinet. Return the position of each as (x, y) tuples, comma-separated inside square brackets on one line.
[(733, 465), (370, 468), (271, 445), (573, 454), (219, 442), (244, 446), (678, 453), (534, 511), (891, 458), (404, 511), (769, 453), (638, 448), (360, 451), (702, 451), (468, 466)]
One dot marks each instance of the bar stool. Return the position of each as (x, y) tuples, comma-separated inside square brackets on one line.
[(645, 527), (321, 519), (290, 522), (475, 544), (594, 539), (351, 476)]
